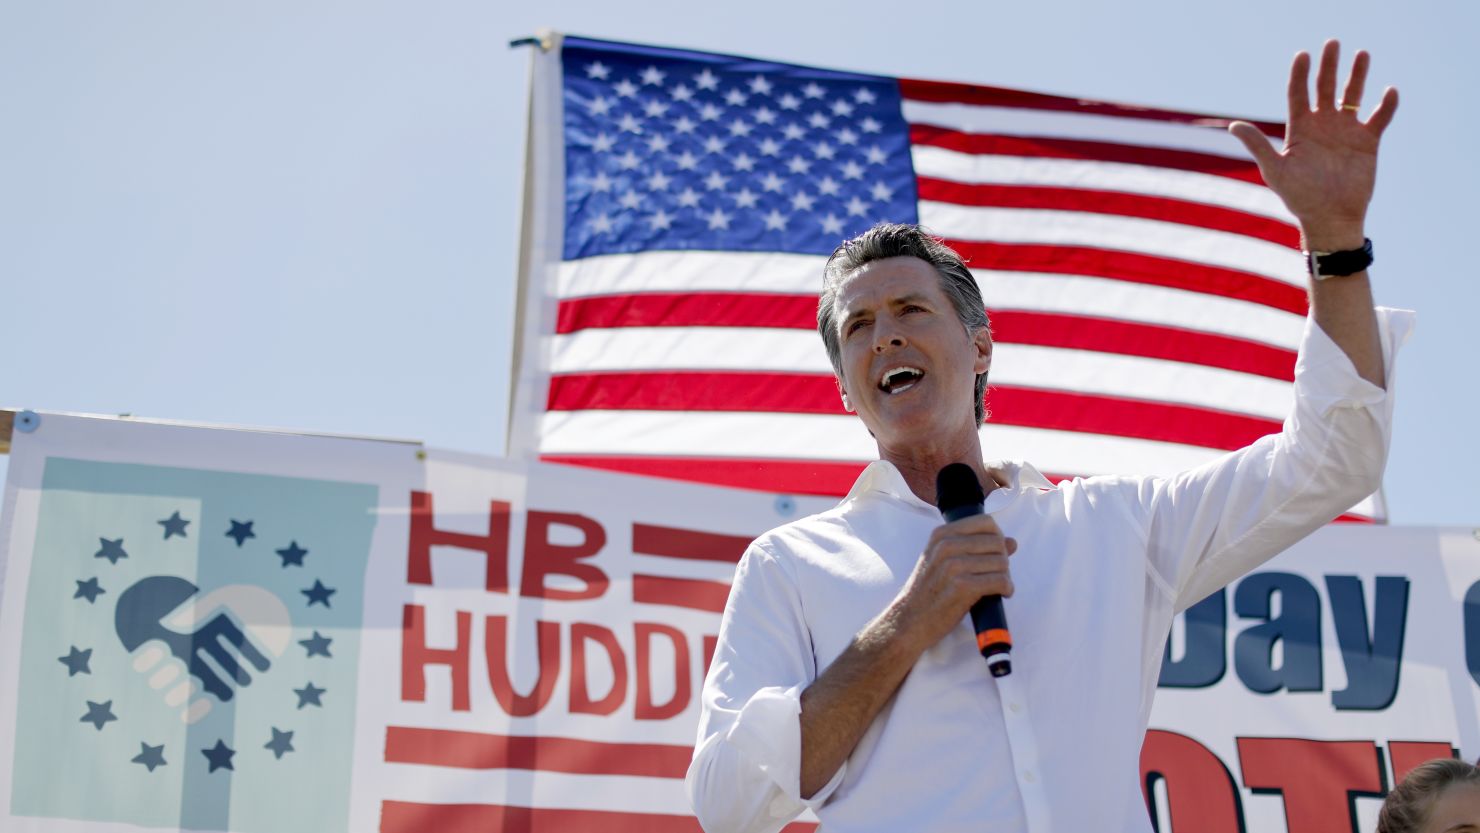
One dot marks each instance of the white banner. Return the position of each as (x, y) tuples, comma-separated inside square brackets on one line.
[(226, 630)]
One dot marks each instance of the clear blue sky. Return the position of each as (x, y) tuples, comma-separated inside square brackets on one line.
[(305, 214)]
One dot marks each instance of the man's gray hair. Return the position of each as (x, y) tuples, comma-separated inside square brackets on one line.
[(887, 240)]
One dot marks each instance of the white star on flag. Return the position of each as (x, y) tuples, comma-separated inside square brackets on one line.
[(718, 219)]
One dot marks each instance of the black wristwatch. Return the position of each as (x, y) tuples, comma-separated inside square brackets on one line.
[(1322, 265)]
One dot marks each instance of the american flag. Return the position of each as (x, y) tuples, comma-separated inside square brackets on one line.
[(1146, 290)]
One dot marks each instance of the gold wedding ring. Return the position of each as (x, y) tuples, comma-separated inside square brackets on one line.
[(1352, 107)]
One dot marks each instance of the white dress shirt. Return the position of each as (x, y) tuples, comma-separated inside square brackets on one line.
[(1103, 564)]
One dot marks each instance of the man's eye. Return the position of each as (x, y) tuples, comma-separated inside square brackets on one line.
[(854, 327), (914, 308)]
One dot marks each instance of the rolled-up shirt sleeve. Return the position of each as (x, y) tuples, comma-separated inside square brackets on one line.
[(1212, 524), (746, 770)]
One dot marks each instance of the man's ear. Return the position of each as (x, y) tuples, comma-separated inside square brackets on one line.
[(847, 406), (983, 341)]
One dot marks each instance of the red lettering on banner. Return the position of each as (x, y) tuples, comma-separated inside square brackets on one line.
[(1407, 754), (1201, 793), (580, 694), (494, 545), (416, 656), (646, 708), (496, 649), (543, 558), (1317, 778)]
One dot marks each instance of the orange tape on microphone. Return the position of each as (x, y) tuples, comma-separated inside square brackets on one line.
[(993, 636)]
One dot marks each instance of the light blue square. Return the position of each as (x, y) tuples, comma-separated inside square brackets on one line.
[(92, 717)]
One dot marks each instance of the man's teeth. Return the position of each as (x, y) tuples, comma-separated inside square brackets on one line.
[(900, 379)]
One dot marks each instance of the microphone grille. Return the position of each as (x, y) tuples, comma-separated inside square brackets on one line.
[(957, 486)]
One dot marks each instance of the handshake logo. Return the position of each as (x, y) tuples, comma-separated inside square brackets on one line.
[(214, 637)]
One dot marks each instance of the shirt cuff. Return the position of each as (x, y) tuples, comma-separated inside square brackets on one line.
[(1325, 376), (768, 731)]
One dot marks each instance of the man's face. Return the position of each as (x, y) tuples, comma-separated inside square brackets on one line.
[(909, 366)]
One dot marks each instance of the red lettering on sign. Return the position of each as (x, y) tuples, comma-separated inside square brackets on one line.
[(494, 545), (646, 708), (543, 558), (1407, 754), (580, 695), (1201, 794), (496, 649), (1317, 778), (416, 656)]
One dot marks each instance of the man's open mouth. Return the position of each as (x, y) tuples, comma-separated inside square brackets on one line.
[(897, 380)]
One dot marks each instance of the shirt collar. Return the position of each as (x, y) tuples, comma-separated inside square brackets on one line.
[(882, 476)]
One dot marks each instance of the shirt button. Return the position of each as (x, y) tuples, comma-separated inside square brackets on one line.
[(1029, 776), (1015, 708)]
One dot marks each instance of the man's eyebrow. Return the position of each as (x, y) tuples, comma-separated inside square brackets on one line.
[(912, 298)]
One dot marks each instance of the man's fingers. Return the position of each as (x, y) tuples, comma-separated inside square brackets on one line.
[(995, 584), (1326, 76), (969, 526), (969, 545), (1351, 97), (1011, 546), (1258, 144), (1299, 85), (1383, 115), (981, 565)]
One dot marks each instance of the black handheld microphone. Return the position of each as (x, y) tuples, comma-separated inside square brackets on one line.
[(959, 495)]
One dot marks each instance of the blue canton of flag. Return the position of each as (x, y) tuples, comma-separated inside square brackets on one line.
[(667, 149)]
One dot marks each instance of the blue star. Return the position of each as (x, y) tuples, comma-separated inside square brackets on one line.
[(174, 525), (112, 550), (76, 661), (309, 695), (318, 593), (241, 532), (318, 645), (150, 756), (292, 554), (219, 756), (281, 743), (98, 714), (89, 590)]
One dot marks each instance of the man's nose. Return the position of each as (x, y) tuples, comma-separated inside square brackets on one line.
[(886, 337)]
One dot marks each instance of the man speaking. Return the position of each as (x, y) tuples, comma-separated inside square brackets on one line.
[(847, 676)]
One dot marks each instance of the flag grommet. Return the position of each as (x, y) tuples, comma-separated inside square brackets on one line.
[(27, 421)]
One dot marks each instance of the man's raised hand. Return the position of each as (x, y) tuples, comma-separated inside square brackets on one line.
[(1326, 171)]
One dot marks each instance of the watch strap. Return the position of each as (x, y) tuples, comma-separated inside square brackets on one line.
[(1322, 265)]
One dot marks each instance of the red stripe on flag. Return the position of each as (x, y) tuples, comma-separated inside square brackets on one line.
[(413, 817), (1047, 147), (1008, 327), (476, 750), (946, 91), (672, 542), (1117, 203), (1133, 267), (795, 477), (1107, 335), (688, 309), (680, 592), (809, 394)]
